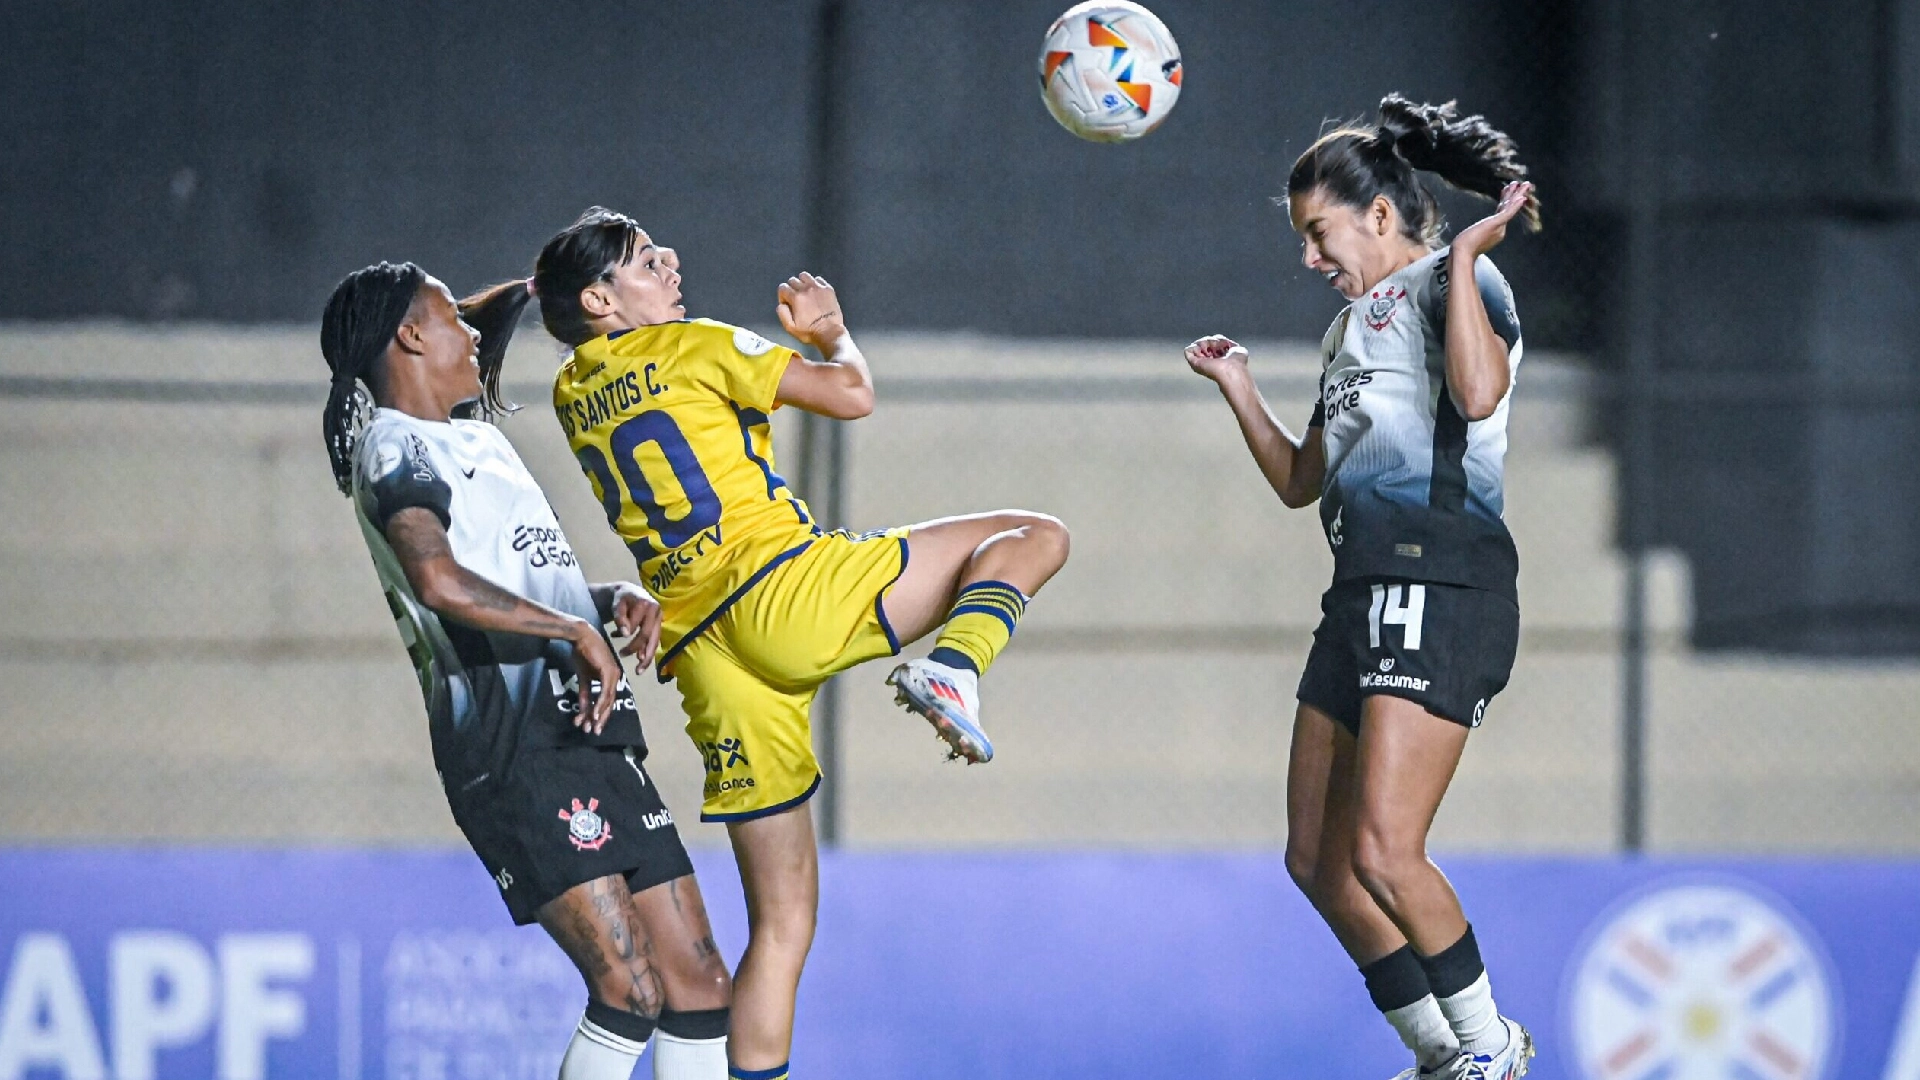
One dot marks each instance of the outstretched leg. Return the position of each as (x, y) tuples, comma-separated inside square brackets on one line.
[(974, 574), (780, 873)]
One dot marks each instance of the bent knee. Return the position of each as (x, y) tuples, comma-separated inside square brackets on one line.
[(1383, 863), (1302, 865), (1047, 532)]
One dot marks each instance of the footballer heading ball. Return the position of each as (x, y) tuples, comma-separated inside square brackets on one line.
[(1109, 71)]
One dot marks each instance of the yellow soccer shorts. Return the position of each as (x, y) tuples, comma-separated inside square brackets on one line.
[(747, 680)]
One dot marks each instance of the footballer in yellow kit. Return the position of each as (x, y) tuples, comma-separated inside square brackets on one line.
[(671, 422), (669, 418)]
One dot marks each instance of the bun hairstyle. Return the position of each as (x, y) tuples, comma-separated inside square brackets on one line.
[(1356, 164), (364, 312)]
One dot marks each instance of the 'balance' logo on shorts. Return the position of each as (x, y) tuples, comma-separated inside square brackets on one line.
[(725, 754), (585, 827)]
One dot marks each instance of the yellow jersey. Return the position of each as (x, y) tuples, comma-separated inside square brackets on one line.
[(672, 425)]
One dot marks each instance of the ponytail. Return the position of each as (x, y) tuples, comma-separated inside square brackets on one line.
[(364, 312), (1357, 164), (495, 312)]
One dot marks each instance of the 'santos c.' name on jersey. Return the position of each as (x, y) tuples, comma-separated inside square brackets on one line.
[(672, 425)]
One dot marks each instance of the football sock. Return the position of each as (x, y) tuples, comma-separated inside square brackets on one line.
[(1459, 983), (778, 1072), (1398, 986), (979, 625), (691, 1045), (606, 1044)]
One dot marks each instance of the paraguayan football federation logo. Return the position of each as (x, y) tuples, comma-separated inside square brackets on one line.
[(1702, 980)]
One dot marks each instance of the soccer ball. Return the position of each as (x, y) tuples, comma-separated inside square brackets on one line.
[(1109, 71)]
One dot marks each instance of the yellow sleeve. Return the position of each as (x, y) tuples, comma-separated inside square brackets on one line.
[(745, 367)]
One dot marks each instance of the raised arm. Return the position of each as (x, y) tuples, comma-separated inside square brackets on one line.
[(454, 592), (1294, 467), (839, 385), (1478, 372)]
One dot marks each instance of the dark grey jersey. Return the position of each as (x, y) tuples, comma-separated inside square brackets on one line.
[(488, 694), (1413, 490)]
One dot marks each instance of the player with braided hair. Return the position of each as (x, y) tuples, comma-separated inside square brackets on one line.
[(534, 731), (1405, 453)]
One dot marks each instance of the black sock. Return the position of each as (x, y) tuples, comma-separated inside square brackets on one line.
[(1455, 967), (699, 1024), (1396, 980)]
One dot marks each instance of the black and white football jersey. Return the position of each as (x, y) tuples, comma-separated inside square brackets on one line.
[(488, 694), (1413, 490)]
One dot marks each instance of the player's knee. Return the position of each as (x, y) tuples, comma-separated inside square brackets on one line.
[(1303, 864), (1049, 534), (636, 991), (787, 934), (1384, 863)]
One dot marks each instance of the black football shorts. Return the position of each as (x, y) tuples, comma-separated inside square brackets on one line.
[(566, 816), (1448, 648)]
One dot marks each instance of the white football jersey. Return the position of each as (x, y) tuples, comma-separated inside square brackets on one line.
[(1413, 490), (488, 694)]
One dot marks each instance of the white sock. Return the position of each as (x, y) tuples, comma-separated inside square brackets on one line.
[(1425, 1030), (598, 1054), (675, 1058), (1474, 1018)]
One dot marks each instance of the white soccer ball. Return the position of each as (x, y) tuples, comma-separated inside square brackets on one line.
[(1109, 71)]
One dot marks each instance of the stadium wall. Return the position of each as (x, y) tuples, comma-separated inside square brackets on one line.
[(193, 647)]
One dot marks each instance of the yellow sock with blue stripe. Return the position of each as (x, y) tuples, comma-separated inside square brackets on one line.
[(980, 624)]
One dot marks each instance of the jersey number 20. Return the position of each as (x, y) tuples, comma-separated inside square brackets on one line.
[(658, 428)]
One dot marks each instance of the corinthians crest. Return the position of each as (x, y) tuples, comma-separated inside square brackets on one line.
[(585, 827), (1381, 305)]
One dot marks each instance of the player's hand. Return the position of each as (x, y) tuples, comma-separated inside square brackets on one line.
[(1217, 357), (595, 663), (637, 616), (810, 311), (1484, 235)]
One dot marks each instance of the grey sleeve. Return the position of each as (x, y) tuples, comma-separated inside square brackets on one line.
[(1494, 293), (397, 472)]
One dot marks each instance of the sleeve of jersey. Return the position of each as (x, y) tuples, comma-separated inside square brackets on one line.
[(750, 366), (397, 472), (1498, 297), (1494, 294), (1329, 348)]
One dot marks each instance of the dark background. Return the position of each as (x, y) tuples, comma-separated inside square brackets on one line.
[(1732, 191)]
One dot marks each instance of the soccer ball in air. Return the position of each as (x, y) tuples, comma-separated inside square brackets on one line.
[(1109, 71)]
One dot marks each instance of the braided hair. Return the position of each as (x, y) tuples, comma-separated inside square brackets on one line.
[(1356, 164), (362, 316)]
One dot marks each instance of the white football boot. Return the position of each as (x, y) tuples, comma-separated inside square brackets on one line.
[(950, 700), (1511, 1063)]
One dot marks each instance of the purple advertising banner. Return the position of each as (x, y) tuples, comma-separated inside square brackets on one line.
[(347, 964)]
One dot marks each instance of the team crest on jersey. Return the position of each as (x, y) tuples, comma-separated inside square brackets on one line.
[(1698, 981), (585, 827), (1381, 306)]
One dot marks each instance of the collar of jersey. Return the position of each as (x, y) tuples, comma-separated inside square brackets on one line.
[(612, 334)]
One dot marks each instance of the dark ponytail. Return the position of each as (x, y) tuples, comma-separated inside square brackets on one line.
[(495, 311), (1357, 164), (584, 252), (364, 312)]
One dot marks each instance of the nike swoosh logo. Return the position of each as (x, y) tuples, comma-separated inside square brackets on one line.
[(469, 473)]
